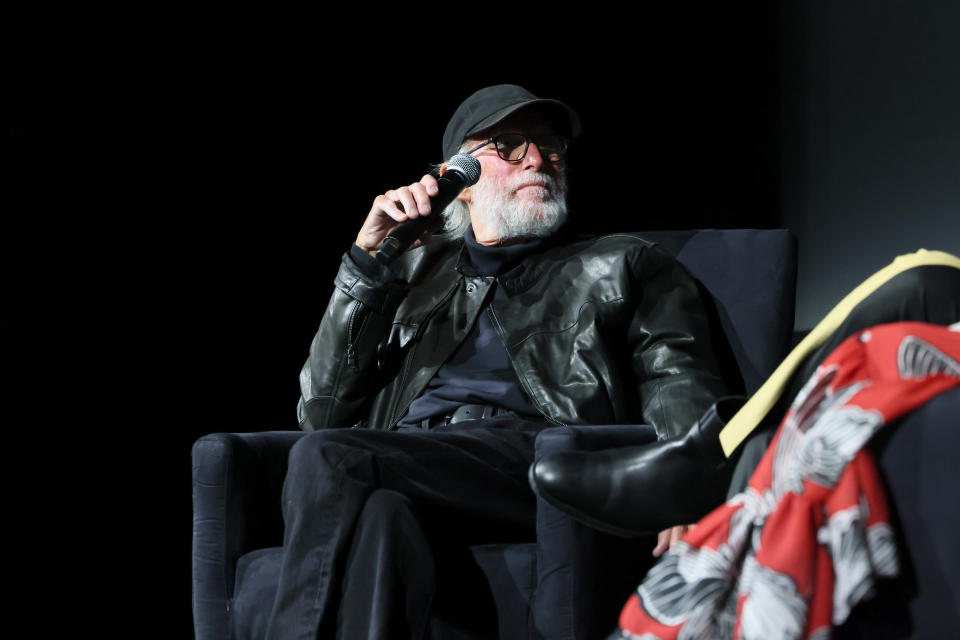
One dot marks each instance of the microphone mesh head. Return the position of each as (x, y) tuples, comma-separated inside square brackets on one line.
[(466, 165)]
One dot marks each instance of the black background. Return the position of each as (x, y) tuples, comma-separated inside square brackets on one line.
[(181, 190)]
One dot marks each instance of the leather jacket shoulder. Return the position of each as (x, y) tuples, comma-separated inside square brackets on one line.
[(605, 330)]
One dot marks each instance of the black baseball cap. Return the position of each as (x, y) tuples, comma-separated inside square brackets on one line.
[(490, 105)]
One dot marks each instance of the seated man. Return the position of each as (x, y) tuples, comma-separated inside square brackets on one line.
[(449, 362)]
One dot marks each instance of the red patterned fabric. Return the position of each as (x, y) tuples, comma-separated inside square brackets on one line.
[(806, 541)]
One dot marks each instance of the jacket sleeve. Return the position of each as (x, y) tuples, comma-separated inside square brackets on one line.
[(673, 357), (340, 376)]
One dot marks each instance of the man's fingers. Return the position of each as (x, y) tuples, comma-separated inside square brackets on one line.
[(675, 534), (422, 197), (663, 539), (406, 202), (669, 537), (430, 184), (409, 202), (388, 205)]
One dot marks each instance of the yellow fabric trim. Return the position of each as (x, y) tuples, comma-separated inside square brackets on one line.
[(760, 403)]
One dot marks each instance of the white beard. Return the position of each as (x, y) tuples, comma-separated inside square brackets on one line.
[(508, 217)]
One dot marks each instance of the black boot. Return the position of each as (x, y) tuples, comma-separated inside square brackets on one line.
[(633, 491)]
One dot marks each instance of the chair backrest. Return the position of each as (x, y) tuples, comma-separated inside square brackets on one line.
[(751, 276)]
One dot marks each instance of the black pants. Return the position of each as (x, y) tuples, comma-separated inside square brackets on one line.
[(375, 520), (922, 294)]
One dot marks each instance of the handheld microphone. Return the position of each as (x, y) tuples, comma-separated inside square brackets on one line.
[(463, 170)]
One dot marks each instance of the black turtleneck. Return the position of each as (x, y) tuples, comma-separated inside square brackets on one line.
[(492, 261)]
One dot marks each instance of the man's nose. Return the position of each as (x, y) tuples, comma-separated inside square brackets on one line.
[(533, 160)]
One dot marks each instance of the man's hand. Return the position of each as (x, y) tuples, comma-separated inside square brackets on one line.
[(669, 537), (392, 208)]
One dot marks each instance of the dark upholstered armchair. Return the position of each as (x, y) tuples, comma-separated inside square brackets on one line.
[(571, 582)]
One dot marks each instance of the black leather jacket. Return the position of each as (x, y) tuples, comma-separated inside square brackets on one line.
[(609, 330)]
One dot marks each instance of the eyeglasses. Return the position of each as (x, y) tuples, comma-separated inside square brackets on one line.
[(512, 147)]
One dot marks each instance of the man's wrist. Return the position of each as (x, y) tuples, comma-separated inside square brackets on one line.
[(364, 260), (369, 250)]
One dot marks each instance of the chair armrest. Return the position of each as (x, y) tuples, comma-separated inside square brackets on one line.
[(237, 481), (583, 575), (917, 458), (593, 438)]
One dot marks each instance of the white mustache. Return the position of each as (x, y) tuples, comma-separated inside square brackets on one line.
[(536, 180)]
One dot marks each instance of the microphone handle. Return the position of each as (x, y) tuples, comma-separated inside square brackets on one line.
[(449, 186)]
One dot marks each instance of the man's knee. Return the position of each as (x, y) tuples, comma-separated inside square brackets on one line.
[(938, 287), (327, 453), (927, 279), (929, 293)]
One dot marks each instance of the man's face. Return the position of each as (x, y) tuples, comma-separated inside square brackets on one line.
[(517, 199)]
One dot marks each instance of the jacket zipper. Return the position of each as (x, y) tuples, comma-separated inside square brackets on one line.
[(351, 338)]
